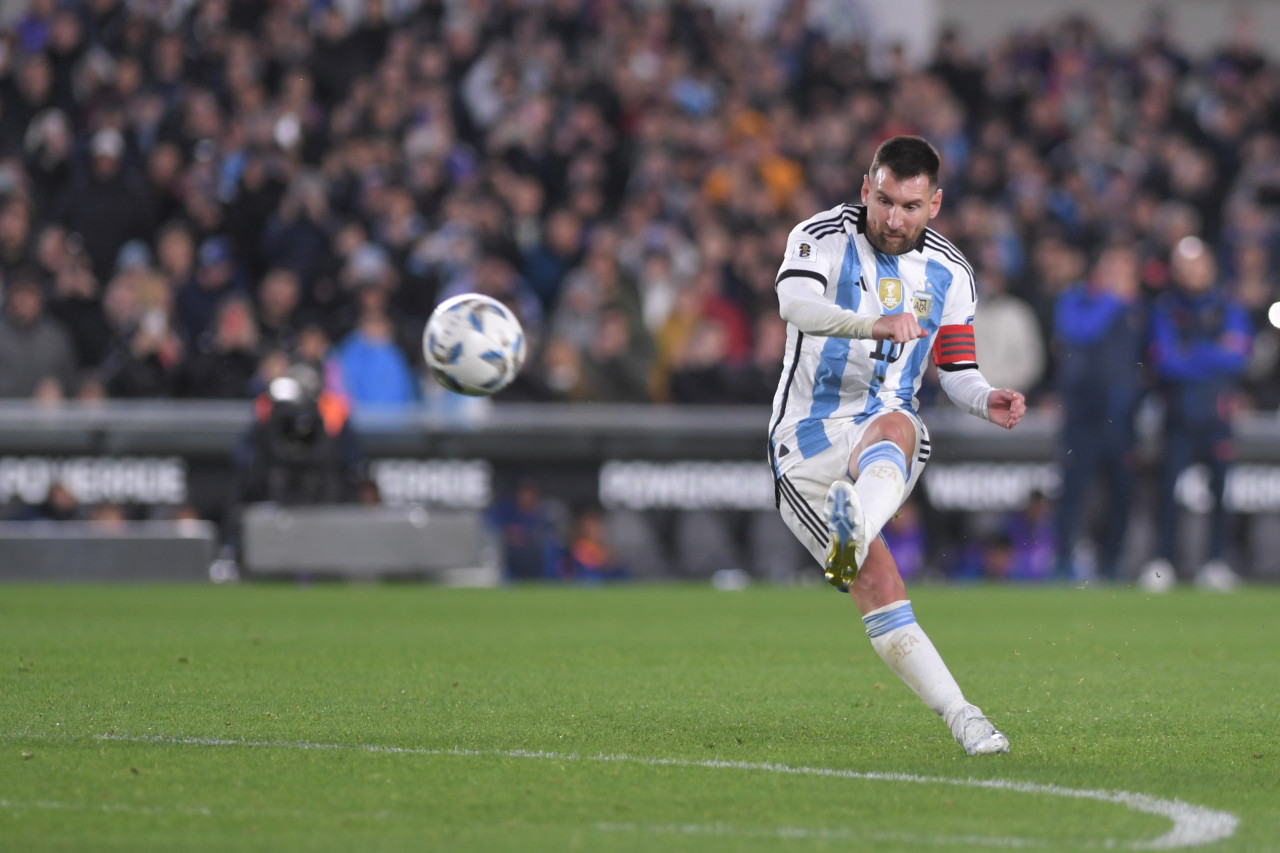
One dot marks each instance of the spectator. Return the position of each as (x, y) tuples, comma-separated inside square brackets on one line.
[(146, 353), (17, 249), (375, 372), (278, 298), (77, 304), (48, 146), (215, 278), (1010, 344), (546, 264), (677, 152), (297, 235), (37, 358), (1200, 347), (616, 366), (106, 207), (225, 362)]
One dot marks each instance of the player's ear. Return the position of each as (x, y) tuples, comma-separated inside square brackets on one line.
[(935, 203), (866, 188)]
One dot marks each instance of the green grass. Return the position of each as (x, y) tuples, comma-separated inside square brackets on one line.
[(1175, 697)]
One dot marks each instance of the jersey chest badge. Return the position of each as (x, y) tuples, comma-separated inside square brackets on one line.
[(922, 304), (890, 291)]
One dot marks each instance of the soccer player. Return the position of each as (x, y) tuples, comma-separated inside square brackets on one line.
[(867, 292)]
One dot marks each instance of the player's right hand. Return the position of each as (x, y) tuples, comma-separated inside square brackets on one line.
[(897, 328)]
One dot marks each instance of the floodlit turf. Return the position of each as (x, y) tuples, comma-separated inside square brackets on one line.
[(641, 718)]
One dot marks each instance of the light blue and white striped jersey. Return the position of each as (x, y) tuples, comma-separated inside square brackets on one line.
[(826, 380)]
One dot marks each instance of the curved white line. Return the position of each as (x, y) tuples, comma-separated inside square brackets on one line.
[(1193, 826)]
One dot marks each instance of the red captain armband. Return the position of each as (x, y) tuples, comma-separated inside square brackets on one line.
[(954, 348)]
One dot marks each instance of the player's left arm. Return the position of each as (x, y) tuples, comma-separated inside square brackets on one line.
[(955, 353)]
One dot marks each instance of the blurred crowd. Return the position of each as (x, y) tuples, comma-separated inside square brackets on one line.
[(195, 196)]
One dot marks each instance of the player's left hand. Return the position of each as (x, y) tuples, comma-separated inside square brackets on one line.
[(1006, 407)]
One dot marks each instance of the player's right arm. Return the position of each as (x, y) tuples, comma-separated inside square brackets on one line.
[(802, 286)]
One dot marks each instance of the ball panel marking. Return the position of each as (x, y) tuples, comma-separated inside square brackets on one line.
[(473, 345)]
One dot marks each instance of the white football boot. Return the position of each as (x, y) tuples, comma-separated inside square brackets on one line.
[(1217, 576), (847, 525), (1158, 576), (975, 733)]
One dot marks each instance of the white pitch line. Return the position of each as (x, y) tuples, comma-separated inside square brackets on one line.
[(805, 833), (197, 811), (1193, 826)]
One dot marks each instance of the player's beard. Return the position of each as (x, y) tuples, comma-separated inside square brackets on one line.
[(892, 244)]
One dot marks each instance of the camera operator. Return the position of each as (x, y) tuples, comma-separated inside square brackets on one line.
[(301, 448)]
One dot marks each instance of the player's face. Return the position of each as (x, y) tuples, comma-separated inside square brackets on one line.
[(898, 209)]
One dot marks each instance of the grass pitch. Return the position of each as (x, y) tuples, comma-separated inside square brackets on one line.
[(630, 718)]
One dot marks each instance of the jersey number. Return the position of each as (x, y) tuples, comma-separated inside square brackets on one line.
[(885, 354)]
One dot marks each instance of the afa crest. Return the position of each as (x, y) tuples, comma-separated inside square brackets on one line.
[(921, 305), (890, 291)]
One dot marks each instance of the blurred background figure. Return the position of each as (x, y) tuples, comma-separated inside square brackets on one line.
[(1032, 540), (590, 557), (1100, 334), (1009, 339), (37, 359), (375, 369), (906, 537), (301, 448), (1200, 342), (526, 527)]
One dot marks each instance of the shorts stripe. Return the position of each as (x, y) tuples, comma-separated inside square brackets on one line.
[(812, 513), (804, 512), (925, 451)]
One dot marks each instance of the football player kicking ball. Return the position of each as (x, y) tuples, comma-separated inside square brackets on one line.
[(867, 292)]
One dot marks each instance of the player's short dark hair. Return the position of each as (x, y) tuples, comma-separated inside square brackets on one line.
[(908, 156)]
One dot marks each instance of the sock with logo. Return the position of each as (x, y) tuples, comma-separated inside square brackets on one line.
[(905, 649), (882, 479)]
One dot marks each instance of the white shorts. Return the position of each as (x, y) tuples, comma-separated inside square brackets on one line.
[(801, 492)]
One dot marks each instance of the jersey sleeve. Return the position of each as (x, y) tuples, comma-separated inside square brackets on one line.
[(808, 260), (954, 347)]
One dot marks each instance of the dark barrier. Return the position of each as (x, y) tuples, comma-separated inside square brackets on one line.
[(671, 480), (91, 552)]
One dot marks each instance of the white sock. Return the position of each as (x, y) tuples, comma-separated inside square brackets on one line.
[(905, 649), (882, 478)]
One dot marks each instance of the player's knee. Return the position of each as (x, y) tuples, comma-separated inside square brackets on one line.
[(897, 428)]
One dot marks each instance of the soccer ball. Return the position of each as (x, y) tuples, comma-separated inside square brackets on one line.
[(473, 345)]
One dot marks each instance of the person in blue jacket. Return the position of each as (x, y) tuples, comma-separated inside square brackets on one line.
[(1100, 331), (1200, 343)]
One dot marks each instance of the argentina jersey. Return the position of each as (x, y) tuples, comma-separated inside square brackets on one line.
[(828, 381)]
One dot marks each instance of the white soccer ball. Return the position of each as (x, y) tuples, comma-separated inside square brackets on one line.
[(473, 345)]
